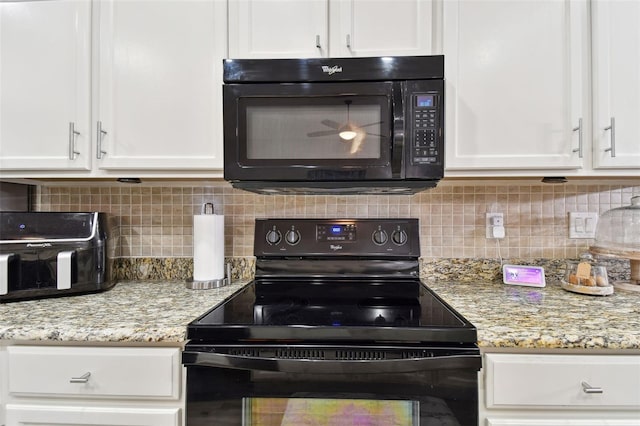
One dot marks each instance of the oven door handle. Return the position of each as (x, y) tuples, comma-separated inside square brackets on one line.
[(322, 366)]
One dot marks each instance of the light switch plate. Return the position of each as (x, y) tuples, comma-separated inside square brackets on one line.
[(582, 224)]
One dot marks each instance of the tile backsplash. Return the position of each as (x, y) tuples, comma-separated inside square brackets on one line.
[(156, 221)]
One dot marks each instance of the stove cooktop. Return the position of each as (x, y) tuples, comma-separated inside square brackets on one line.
[(335, 280), (356, 311)]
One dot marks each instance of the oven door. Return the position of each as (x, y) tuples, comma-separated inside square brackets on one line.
[(313, 131), (324, 385)]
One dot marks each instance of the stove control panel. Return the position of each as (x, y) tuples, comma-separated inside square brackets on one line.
[(337, 237)]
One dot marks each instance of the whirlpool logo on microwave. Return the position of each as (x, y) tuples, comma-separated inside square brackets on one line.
[(331, 70)]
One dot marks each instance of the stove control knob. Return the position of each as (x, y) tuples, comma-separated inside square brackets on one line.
[(399, 237), (274, 237), (380, 237), (292, 237)]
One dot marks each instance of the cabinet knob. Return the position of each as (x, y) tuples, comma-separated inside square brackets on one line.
[(82, 379), (587, 388)]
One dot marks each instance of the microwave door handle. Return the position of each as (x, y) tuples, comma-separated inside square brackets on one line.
[(317, 366), (398, 136)]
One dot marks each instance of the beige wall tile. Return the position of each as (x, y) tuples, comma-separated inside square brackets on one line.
[(157, 221)]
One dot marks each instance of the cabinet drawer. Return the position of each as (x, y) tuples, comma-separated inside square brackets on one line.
[(28, 415), (557, 380), (148, 373)]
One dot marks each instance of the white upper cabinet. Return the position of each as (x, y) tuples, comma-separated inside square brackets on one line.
[(278, 28), (381, 28), (111, 88), (159, 84), (517, 92), (45, 59), (329, 28), (616, 82)]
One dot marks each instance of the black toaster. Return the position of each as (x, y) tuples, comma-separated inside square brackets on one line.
[(49, 254)]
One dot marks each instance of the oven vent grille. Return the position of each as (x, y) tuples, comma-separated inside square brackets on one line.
[(416, 354), (299, 354), (360, 355), (245, 352)]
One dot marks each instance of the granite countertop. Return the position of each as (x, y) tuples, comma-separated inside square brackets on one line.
[(509, 316), (130, 312), (505, 316)]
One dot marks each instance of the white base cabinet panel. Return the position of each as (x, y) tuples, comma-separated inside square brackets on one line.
[(90, 385), (3, 383), (149, 373), (602, 421), (23, 415), (525, 389)]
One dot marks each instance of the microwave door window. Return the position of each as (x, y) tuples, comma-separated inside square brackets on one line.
[(316, 129)]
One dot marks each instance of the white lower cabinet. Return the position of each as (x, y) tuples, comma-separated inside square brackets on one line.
[(102, 386), (558, 389), (3, 382), (24, 415)]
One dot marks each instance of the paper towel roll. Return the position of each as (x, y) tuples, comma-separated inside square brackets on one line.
[(208, 247)]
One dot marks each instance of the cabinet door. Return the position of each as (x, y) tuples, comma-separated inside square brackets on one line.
[(45, 85), (561, 419), (381, 27), (616, 74), (515, 84), (278, 28), (23, 415), (88, 372), (160, 79)]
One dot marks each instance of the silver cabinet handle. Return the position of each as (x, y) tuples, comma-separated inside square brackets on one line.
[(72, 141), (100, 134), (348, 41), (318, 45), (612, 127), (579, 130), (587, 388), (82, 379)]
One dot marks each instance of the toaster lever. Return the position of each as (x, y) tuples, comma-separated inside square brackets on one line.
[(4, 273), (64, 270)]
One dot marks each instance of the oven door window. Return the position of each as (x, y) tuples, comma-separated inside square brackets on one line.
[(329, 411)]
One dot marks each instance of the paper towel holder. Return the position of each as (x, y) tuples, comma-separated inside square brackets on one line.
[(208, 284)]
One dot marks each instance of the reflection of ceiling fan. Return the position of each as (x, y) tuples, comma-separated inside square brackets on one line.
[(347, 131)]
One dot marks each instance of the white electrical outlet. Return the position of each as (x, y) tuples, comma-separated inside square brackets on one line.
[(495, 225), (582, 225)]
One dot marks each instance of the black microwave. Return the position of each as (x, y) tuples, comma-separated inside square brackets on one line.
[(345, 125)]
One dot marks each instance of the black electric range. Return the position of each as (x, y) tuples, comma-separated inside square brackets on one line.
[(336, 312)]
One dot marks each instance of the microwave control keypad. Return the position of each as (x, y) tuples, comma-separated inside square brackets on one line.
[(425, 127)]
